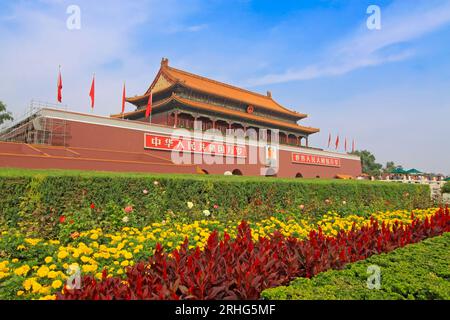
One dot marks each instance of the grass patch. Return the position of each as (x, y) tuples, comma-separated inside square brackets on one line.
[(418, 271)]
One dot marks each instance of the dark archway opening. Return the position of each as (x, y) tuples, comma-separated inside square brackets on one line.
[(237, 172), (299, 175)]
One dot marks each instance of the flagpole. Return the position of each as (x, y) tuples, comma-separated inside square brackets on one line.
[(92, 106), (59, 82), (123, 102)]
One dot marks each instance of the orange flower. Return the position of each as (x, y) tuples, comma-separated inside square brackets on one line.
[(75, 235)]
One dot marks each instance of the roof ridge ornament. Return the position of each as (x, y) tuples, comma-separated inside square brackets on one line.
[(164, 62)]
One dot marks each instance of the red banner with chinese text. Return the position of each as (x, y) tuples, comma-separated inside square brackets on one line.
[(315, 160), (186, 144)]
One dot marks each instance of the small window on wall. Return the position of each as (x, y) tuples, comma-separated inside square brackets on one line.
[(299, 175)]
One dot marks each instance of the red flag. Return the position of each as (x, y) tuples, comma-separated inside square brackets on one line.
[(353, 145), (148, 112), (345, 145), (60, 86), (329, 140), (92, 92), (337, 142), (123, 98)]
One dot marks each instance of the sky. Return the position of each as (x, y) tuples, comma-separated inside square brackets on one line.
[(387, 88)]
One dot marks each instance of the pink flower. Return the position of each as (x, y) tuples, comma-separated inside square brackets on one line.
[(145, 191), (327, 201), (128, 209), (302, 206), (62, 219), (216, 206)]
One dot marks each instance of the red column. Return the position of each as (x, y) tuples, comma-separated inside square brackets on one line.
[(176, 119)]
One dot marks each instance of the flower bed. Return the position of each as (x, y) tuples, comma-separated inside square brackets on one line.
[(242, 268), (419, 271), (37, 268)]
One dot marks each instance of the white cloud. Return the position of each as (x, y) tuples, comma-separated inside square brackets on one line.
[(39, 42), (401, 22), (197, 28)]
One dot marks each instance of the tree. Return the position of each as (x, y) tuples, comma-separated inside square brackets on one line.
[(369, 166), (390, 166), (4, 115)]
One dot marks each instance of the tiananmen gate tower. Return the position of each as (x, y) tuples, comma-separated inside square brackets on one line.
[(182, 106)]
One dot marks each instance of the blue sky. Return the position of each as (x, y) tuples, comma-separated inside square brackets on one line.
[(388, 88)]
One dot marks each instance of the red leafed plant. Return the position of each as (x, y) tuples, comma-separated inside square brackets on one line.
[(242, 269)]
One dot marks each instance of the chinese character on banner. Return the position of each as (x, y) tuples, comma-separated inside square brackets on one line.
[(187, 144), (315, 160)]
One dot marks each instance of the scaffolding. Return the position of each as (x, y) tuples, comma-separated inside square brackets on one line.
[(34, 128)]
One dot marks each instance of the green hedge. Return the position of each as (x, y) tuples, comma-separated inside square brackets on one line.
[(33, 196), (419, 271), (446, 188)]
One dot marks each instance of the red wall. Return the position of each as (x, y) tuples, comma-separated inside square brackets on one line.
[(101, 147)]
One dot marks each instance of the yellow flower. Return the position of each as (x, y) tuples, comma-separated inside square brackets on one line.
[(62, 255), (128, 255), (33, 242), (15, 260), (124, 263), (52, 275), (43, 271), (22, 271), (49, 297), (27, 284), (48, 259), (56, 284), (89, 268), (36, 287), (94, 236), (44, 290), (20, 293)]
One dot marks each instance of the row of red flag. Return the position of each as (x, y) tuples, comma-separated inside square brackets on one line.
[(148, 110), (336, 144)]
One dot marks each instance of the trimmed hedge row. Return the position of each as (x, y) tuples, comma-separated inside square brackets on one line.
[(446, 188), (35, 196), (419, 271)]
